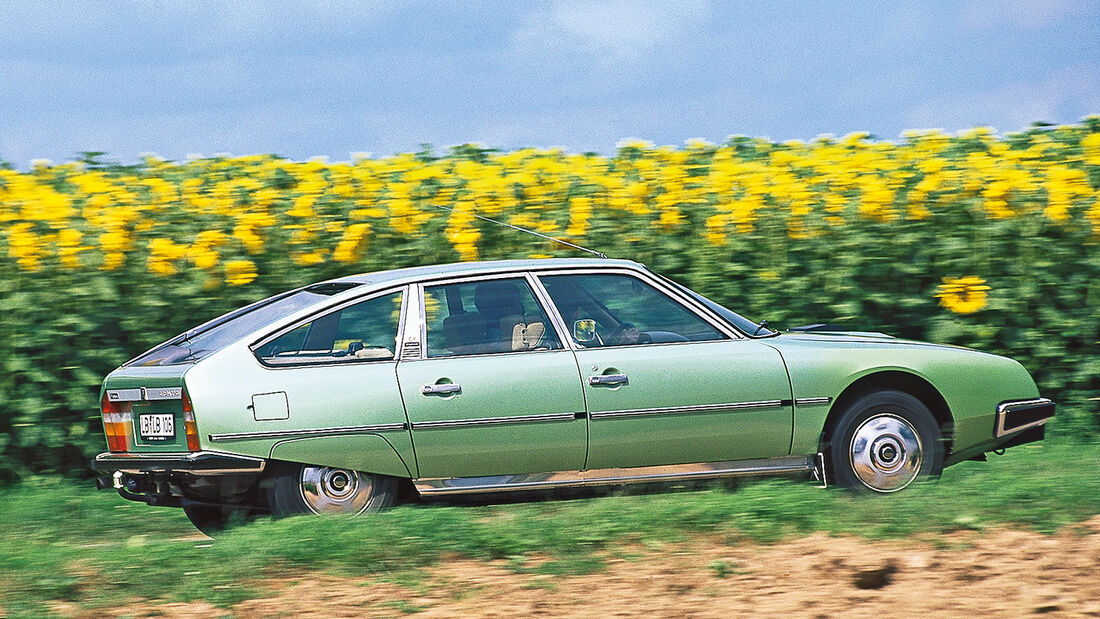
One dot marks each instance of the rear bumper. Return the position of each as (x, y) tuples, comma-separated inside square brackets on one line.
[(175, 479), (193, 463)]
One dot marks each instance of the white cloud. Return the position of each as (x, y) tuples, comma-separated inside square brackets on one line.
[(1063, 97), (624, 29)]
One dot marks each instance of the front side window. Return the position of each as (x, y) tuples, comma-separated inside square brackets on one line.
[(494, 316), (621, 310), (366, 331)]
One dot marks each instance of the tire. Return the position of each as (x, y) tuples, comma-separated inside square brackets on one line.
[(884, 442), (213, 519), (306, 489)]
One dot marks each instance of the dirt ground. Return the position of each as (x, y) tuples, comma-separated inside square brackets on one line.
[(994, 573)]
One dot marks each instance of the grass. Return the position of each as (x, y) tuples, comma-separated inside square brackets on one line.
[(71, 544)]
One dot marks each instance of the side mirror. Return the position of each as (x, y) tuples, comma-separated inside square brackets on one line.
[(584, 331)]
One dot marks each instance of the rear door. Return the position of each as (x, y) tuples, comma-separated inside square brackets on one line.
[(493, 391), (664, 384)]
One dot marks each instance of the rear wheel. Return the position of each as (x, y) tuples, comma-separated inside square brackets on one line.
[(306, 489), (884, 442)]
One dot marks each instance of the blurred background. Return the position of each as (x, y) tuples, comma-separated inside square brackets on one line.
[(927, 169)]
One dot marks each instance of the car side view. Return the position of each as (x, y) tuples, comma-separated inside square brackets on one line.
[(518, 375)]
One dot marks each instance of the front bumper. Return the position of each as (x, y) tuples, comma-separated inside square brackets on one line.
[(1016, 416)]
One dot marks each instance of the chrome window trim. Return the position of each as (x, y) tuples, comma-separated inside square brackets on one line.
[(1007, 407), (345, 430), (325, 311), (696, 408), (551, 314), (496, 421), (593, 477), (495, 354), (548, 308), (412, 325), (687, 303)]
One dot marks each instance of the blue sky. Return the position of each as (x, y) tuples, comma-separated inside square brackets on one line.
[(325, 78)]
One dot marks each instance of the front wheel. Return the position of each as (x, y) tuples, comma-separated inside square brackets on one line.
[(306, 489), (884, 442)]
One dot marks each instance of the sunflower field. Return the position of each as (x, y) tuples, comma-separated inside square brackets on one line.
[(977, 239)]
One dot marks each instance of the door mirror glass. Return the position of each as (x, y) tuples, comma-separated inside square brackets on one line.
[(584, 331)]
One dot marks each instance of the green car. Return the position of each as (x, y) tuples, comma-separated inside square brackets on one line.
[(519, 375)]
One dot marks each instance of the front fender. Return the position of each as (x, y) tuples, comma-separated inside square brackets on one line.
[(971, 382)]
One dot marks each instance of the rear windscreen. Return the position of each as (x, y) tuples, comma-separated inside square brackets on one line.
[(216, 334)]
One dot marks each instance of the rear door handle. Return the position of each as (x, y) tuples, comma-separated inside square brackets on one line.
[(608, 379), (444, 389)]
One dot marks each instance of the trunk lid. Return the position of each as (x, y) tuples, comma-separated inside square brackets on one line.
[(153, 395)]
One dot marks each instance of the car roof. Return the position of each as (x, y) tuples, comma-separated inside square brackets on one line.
[(487, 266)]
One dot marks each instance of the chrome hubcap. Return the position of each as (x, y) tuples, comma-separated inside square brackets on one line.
[(886, 453), (335, 491)]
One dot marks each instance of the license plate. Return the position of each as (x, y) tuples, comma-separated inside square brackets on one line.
[(157, 427)]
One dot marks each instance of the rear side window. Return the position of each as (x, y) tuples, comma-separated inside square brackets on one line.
[(222, 331), (484, 317), (366, 331)]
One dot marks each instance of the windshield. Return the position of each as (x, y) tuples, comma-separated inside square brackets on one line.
[(218, 333), (744, 324)]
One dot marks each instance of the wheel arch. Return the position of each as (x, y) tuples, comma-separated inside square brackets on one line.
[(896, 380), (367, 453)]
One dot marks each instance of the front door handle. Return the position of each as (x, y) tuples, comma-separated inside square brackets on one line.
[(608, 379), (444, 389)]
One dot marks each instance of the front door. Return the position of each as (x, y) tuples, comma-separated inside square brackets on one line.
[(495, 392), (665, 386)]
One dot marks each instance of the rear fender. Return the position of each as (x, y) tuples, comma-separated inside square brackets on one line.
[(369, 453)]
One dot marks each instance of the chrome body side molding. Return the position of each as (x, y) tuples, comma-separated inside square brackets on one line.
[(495, 421), (598, 477), (812, 401), (246, 436), (699, 408)]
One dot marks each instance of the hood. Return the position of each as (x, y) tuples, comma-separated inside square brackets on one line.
[(865, 338)]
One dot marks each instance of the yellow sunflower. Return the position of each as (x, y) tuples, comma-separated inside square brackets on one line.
[(963, 295)]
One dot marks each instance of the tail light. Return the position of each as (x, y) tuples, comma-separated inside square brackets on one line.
[(117, 424), (189, 426)]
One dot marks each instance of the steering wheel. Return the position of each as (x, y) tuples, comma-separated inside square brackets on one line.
[(626, 333)]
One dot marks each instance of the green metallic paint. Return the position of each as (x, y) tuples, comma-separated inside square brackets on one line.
[(346, 395), (367, 452), (971, 382), (493, 386), (686, 374), (157, 376), (820, 365)]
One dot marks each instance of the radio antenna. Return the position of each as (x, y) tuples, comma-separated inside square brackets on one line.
[(538, 234)]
